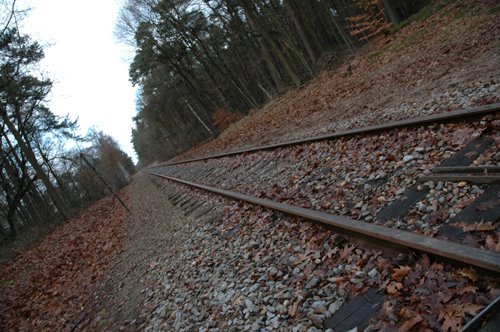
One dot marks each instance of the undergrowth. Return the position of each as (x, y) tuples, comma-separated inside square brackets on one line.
[(423, 14), (409, 40)]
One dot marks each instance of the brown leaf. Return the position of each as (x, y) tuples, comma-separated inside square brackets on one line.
[(470, 154), (292, 311), (394, 287), (400, 273), (468, 289), (409, 324), (307, 271), (465, 203), (492, 243), (471, 308), (468, 273), (52, 281), (450, 322), (478, 227), (488, 205), (454, 313), (346, 251), (445, 297)]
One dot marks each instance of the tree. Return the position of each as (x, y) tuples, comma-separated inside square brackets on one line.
[(24, 116)]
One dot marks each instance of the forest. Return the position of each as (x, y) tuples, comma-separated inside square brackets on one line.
[(203, 64), (48, 172)]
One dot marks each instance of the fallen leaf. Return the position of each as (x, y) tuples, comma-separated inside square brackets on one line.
[(468, 273), (394, 287), (492, 243), (488, 205), (478, 227), (346, 251), (293, 309), (409, 324), (468, 289), (453, 314), (400, 273), (470, 154), (465, 203), (451, 322)]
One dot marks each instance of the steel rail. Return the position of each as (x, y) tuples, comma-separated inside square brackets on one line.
[(476, 322), (436, 118), (484, 259), (457, 177), (486, 169)]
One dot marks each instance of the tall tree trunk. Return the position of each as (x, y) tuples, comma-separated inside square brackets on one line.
[(12, 223), (299, 25), (34, 163), (278, 81), (272, 44), (62, 188), (391, 12)]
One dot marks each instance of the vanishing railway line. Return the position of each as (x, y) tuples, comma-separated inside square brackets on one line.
[(431, 185)]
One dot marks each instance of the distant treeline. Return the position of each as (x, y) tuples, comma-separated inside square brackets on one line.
[(198, 63)]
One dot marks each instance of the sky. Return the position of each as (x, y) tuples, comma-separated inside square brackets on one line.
[(88, 65)]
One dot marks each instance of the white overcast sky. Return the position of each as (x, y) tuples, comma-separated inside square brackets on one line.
[(88, 65)]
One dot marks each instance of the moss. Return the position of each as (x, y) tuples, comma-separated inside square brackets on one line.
[(374, 55), (422, 15), (8, 282), (409, 40), (494, 9), (349, 70), (460, 14), (425, 13), (102, 318)]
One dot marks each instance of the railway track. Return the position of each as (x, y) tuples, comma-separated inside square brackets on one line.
[(428, 185)]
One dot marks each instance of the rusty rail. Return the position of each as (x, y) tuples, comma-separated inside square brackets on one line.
[(457, 177)]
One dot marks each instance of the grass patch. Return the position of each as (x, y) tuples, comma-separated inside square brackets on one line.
[(8, 282), (409, 40), (460, 14), (374, 55), (422, 15), (494, 10), (102, 318)]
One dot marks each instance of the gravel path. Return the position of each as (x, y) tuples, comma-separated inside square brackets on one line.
[(153, 228)]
